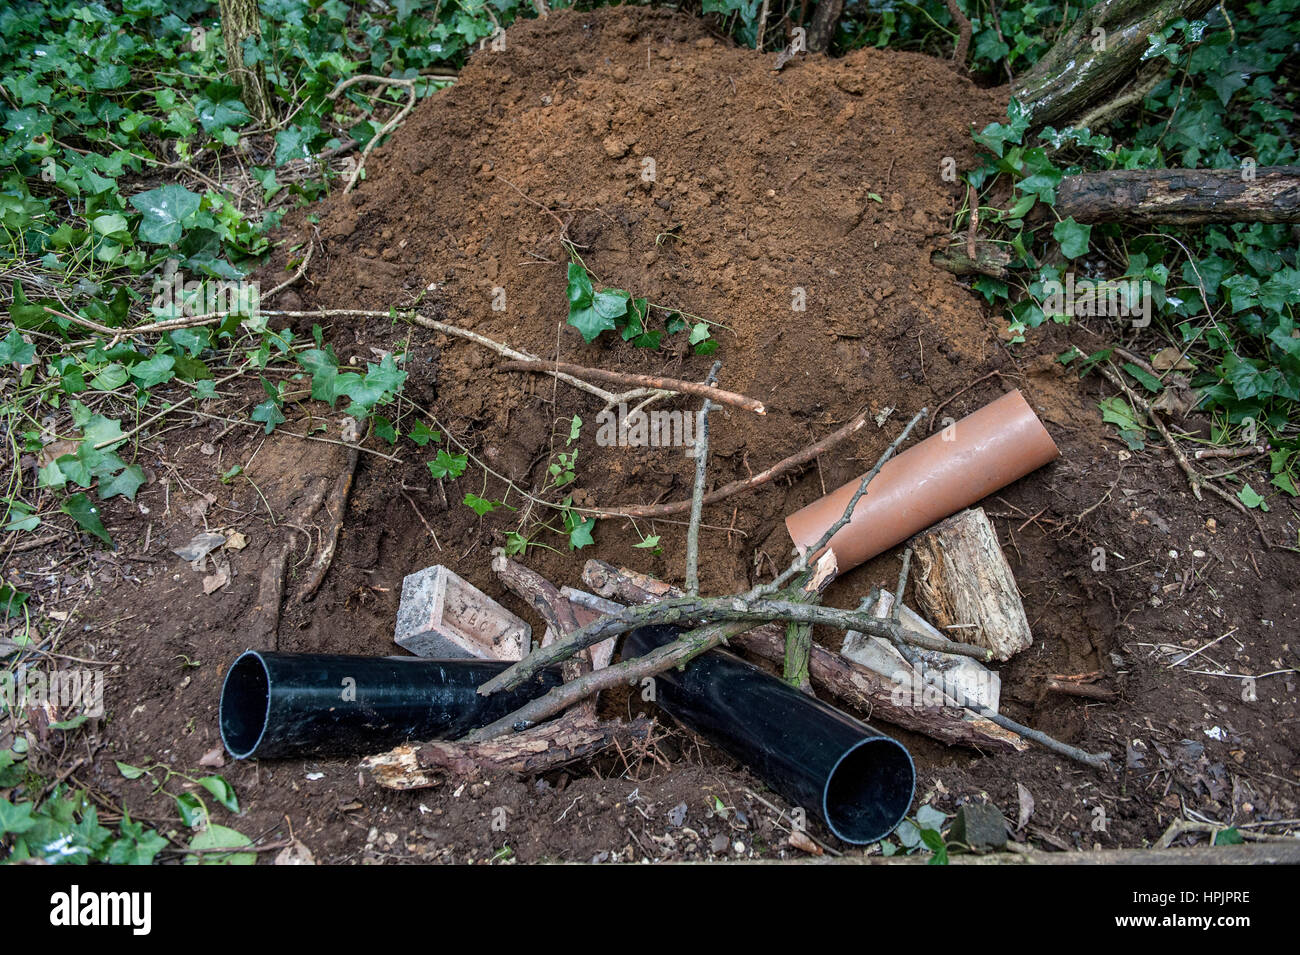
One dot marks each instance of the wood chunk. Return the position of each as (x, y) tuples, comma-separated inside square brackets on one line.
[(966, 585)]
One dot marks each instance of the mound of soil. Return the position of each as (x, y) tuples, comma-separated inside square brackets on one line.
[(820, 181)]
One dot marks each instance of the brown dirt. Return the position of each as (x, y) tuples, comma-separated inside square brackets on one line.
[(765, 182)]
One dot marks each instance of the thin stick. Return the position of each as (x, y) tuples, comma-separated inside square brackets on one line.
[(697, 495), (384, 130), (902, 585), (646, 381), (784, 466), (1095, 760)]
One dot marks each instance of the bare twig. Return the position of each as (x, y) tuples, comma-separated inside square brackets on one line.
[(697, 495), (657, 382), (388, 127)]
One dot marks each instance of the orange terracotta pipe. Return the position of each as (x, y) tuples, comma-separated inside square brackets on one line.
[(948, 471)]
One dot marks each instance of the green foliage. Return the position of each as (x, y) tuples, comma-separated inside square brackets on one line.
[(593, 311), (925, 831), (1227, 295), (63, 828)]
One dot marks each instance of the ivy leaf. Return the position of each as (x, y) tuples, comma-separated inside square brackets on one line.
[(126, 482), (479, 505), (11, 600), (221, 791), (383, 428), (422, 434), (153, 371), (293, 143), (1248, 496), (268, 412), (448, 465), (580, 532), (191, 809), (584, 315), (86, 514), (14, 348), (111, 377), (216, 115), (15, 819), (165, 211), (129, 771), (1149, 381), (218, 838), (1072, 236)]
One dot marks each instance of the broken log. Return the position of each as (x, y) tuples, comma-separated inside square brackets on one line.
[(859, 687), (991, 258), (1100, 51), (1182, 196), (575, 735), (966, 584), (561, 614)]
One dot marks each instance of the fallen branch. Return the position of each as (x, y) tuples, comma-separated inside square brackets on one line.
[(1065, 688), (1095, 760), (1182, 196), (574, 736), (1077, 72), (753, 606), (678, 653), (656, 382), (701, 450), (989, 258), (336, 506), (843, 679), (553, 607)]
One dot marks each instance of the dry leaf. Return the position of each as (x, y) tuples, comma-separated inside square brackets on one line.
[(1026, 806), (236, 541), (200, 546), (218, 579), (214, 758), (803, 842), (1171, 357), (296, 854)]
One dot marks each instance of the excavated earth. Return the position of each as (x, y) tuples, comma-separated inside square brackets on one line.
[(818, 184)]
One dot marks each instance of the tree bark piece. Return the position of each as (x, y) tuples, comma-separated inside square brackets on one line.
[(965, 580), (562, 616), (1182, 196), (991, 258), (575, 735), (1084, 67), (240, 19), (848, 682)]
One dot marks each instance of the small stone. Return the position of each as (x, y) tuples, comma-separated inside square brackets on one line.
[(980, 826)]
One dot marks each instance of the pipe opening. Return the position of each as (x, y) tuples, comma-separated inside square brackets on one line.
[(869, 791), (245, 705)]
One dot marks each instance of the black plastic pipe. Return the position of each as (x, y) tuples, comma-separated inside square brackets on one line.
[(316, 704), (859, 782)]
